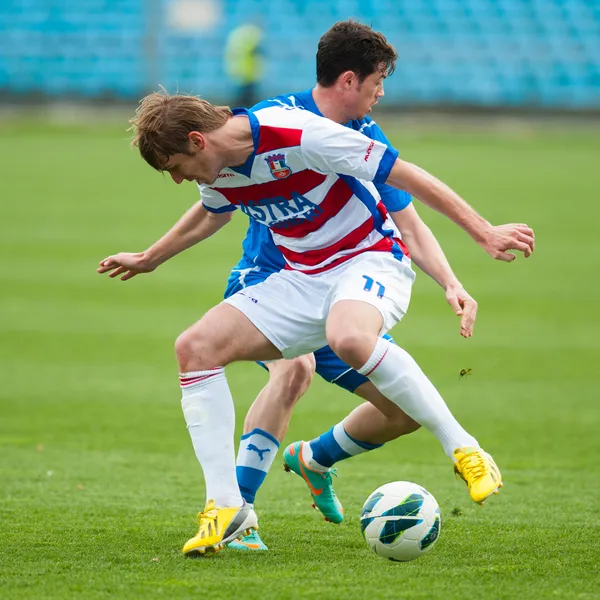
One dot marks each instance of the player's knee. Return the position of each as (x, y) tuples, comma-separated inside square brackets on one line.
[(352, 346), (301, 374), (193, 351), (293, 377), (184, 346)]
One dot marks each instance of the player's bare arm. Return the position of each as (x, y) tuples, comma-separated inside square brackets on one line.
[(428, 255), (495, 240), (196, 225)]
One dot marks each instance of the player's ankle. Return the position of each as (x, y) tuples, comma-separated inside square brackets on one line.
[(309, 460)]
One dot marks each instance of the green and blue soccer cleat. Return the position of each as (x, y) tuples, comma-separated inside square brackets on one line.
[(248, 542), (319, 483)]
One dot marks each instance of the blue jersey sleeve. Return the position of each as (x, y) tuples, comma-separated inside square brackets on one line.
[(393, 199)]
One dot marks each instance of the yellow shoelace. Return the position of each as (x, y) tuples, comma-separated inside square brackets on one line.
[(205, 514), (474, 465)]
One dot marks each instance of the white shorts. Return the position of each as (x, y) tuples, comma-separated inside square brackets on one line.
[(290, 308)]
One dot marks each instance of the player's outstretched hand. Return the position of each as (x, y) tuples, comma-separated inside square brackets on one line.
[(513, 236), (465, 306), (127, 264)]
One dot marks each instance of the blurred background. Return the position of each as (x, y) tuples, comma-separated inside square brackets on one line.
[(490, 53), (98, 481)]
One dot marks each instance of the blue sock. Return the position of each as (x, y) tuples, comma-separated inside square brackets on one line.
[(335, 445), (255, 456)]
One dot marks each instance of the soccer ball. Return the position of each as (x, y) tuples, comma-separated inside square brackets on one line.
[(401, 521)]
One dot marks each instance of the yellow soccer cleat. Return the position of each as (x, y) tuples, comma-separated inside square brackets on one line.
[(480, 472), (219, 526)]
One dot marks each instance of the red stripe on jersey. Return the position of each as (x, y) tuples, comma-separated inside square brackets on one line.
[(314, 257), (382, 210), (276, 138), (384, 245), (336, 198), (384, 213), (297, 183), (403, 247)]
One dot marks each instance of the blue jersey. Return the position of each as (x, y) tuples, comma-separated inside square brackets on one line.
[(261, 257)]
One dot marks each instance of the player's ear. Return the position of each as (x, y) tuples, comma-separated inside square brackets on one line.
[(197, 140), (347, 78)]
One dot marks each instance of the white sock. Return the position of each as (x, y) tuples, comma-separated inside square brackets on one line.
[(309, 461), (398, 377), (209, 413)]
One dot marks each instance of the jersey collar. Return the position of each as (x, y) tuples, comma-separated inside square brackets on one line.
[(308, 102), (246, 168)]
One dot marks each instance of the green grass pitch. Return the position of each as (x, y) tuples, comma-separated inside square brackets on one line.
[(99, 485)]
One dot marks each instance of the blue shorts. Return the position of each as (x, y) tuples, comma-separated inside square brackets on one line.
[(335, 370), (329, 366)]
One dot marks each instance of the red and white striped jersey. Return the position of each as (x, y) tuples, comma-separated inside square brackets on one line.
[(310, 181)]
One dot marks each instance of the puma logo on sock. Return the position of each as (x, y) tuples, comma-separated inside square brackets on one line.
[(252, 447)]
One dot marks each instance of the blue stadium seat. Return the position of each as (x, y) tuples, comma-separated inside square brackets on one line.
[(515, 52)]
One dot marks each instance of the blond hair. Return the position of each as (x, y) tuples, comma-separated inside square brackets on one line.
[(162, 123)]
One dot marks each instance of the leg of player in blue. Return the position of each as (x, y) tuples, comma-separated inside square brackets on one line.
[(265, 426), (313, 461), (335, 445), (255, 456), (366, 428)]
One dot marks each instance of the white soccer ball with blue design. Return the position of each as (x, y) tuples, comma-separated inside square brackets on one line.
[(401, 521)]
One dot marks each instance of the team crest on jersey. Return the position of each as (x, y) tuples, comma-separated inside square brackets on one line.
[(279, 169)]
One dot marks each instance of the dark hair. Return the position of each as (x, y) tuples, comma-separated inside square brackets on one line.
[(352, 46)]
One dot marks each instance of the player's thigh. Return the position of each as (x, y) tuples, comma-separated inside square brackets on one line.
[(224, 335), (351, 321), (289, 309), (377, 280)]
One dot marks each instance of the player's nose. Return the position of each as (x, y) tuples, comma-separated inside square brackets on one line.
[(176, 177), (380, 91)]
